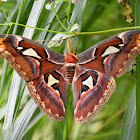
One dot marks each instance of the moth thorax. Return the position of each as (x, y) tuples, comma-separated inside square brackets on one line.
[(70, 72)]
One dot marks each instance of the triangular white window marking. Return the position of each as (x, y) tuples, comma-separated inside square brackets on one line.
[(88, 82), (52, 80), (19, 48), (110, 50), (121, 45), (31, 52)]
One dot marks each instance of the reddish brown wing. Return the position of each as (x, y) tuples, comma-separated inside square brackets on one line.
[(114, 55), (93, 83), (91, 90), (28, 58), (39, 67)]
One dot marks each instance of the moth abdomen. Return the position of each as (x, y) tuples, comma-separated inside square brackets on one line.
[(70, 72)]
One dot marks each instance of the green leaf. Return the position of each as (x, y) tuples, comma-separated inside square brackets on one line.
[(23, 120), (137, 23), (129, 121), (5, 65), (8, 123), (3, 111), (68, 11)]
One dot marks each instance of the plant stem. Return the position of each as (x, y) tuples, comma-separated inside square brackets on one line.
[(60, 21)]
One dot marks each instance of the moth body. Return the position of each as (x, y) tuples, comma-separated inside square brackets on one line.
[(70, 68)]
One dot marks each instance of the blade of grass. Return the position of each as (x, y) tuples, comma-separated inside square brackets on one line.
[(23, 120), (68, 116), (32, 122), (33, 18), (5, 64), (7, 86), (48, 19), (59, 130), (137, 16), (23, 10), (77, 14), (129, 120), (3, 111), (8, 121), (20, 94)]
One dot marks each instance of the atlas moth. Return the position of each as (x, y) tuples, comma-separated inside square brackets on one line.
[(48, 73)]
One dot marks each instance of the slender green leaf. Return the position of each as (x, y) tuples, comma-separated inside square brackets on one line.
[(68, 11), (48, 18), (5, 64), (3, 111), (32, 123), (8, 123), (137, 14), (129, 121), (23, 120)]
